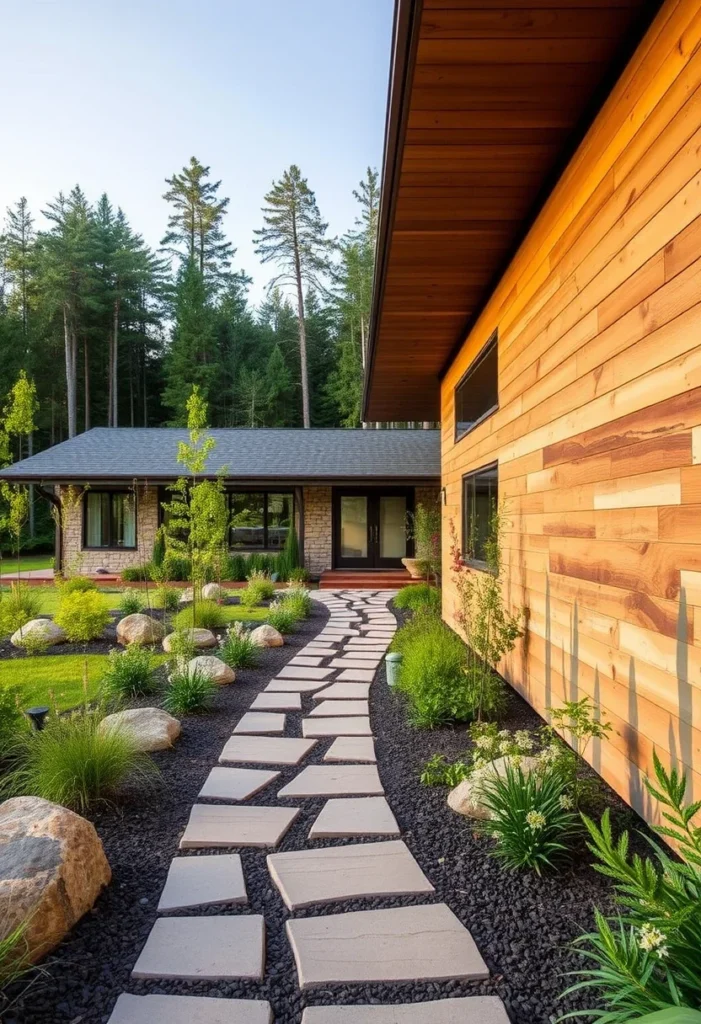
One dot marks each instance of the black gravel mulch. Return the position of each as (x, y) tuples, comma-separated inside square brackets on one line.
[(522, 924)]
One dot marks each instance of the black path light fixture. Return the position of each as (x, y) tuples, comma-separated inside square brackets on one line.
[(37, 716)]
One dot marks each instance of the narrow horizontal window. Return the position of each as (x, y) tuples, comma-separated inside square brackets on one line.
[(477, 394), (480, 497)]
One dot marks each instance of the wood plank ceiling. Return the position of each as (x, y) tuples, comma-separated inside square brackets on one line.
[(487, 101)]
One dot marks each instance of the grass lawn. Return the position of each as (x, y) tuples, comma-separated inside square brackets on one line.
[(62, 673), (26, 563), (48, 598)]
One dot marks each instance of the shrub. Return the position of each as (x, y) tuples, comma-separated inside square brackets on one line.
[(176, 567), (189, 693), (76, 585), (70, 762), (168, 598), (137, 573), (260, 588), (425, 530), (182, 648), (17, 608), (129, 673), (298, 575), (159, 548), (486, 691), (130, 602), (532, 817), (202, 615), (82, 615), (236, 568), (237, 649), (281, 617), (288, 559), (432, 674), (419, 597), (439, 771), (298, 601)]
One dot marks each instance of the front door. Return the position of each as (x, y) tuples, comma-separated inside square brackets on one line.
[(370, 528)]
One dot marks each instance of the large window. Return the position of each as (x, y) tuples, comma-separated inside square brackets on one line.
[(480, 495), (109, 519), (261, 520), (477, 394)]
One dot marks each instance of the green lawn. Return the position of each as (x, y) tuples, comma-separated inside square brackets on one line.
[(48, 598), (26, 562), (48, 603)]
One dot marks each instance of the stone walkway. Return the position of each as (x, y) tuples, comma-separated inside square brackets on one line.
[(333, 675)]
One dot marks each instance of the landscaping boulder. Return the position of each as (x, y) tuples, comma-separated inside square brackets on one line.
[(139, 629), (213, 592), (150, 728), (267, 636), (52, 869), (214, 668), (38, 629), (187, 596), (200, 638), (466, 798)]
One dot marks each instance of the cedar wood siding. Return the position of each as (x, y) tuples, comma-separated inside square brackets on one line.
[(598, 431)]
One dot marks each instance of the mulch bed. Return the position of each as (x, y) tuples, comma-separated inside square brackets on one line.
[(522, 924)]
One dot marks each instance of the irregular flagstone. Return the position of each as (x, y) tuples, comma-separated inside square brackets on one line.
[(357, 675), (306, 877), (320, 727), (352, 748), (292, 672), (333, 780), (235, 783), (346, 656), (217, 825), (340, 707), (204, 949), (312, 662), (265, 750), (362, 816), (348, 661), (203, 882), (470, 1010), (424, 943), (344, 691), (277, 702), (254, 722), (189, 1010), (294, 685), (380, 634)]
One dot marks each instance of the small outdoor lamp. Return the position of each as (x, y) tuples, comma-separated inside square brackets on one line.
[(393, 661), (37, 715)]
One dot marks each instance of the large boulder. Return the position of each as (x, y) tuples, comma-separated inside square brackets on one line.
[(213, 592), (214, 668), (187, 596), (149, 728), (267, 636), (52, 869), (38, 630), (467, 797), (199, 637), (139, 629)]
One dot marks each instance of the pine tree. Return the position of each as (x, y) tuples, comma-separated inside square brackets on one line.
[(195, 231), (293, 237), (19, 240), (279, 386), (190, 359), (254, 396)]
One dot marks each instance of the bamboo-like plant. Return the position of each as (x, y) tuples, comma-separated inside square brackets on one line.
[(424, 528)]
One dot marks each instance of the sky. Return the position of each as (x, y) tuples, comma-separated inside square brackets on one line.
[(116, 95)]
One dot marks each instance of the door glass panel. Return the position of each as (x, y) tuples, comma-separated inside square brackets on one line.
[(247, 521), (279, 519), (393, 527), (354, 526)]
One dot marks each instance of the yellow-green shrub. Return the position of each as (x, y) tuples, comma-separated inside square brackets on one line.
[(82, 615)]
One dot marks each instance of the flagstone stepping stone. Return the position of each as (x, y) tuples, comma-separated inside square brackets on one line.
[(365, 642), (362, 816), (344, 691), (203, 882), (306, 877), (260, 722), (294, 685), (352, 748), (316, 650), (217, 825), (307, 661), (321, 727), (334, 780), (204, 949), (357, 675), (277, 702), (370, 648), (189, 1010), (297, 672), (470, 1010), (348, 661), (424, 943), (265, 750), (346, 657), (380, 635), (235, 783), (346, 708)]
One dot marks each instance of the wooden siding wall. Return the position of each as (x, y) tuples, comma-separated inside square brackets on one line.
[(598, 434)]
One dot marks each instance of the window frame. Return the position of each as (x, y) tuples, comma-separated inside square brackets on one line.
[(112, 546), (265, 492), (475, 563), (491, 344)]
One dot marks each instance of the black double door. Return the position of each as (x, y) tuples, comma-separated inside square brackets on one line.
[(370, 527)]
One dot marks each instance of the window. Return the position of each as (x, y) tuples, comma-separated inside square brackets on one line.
[(261, 520), (109, 520), (477, 394), (480, 494)]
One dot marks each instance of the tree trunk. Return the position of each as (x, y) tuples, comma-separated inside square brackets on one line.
[(306, 418), (30, 452), (115, 365), (70, 344), (86, 373), (110, 382)]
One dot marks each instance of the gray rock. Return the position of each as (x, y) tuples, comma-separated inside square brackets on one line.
[(38, 630), (149, 728)]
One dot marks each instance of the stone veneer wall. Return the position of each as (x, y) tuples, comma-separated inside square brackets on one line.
[(76, 559), (318, 535)]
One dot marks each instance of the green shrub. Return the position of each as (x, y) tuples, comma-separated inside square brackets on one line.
[(17, 608), (439, 771), (419, 597), (137, 573), (129, 673), (281, 618), (76, 585), (71, 762), (485, 692), (236, 568), (176, 567), (11, 717), (237, 648), (298, 601), (260, 588), (159, 548), (130, 602), (182, 648), (288, 559), (189, 693), (168, 598), (432, 673), (82, 615), (202, 615), (298, 575)]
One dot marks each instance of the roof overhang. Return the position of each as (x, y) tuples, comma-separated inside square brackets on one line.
[(488, 99)]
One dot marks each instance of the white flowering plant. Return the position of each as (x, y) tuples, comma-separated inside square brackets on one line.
[(237, 648)]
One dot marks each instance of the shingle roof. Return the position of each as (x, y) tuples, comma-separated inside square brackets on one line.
[(292, 454)]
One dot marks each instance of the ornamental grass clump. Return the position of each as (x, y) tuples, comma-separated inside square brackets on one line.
[(298, 601), (432, 673), (237, 648), (82, 615), (202, 615), (260, 588), (129, 674), (189, 692), (168, 598), (15, 960), (130, 602), (17, 608), (281, 617), (419, 597)]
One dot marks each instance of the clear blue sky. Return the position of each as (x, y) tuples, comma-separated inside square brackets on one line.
[(118, 94)]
